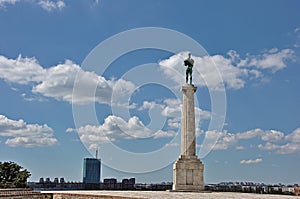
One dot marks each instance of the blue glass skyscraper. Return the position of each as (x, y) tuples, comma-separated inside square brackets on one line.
[(91, 170)]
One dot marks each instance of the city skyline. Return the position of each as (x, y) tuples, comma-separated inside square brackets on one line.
[(53, 53)]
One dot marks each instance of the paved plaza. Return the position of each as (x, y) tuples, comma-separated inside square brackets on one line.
[(178, 195)]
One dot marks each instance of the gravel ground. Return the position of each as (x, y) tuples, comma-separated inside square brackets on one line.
[(179, 195)]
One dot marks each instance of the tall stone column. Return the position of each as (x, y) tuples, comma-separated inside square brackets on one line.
[(188, 136), (188, 169)]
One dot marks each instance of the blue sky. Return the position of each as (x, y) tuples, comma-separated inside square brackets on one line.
[(71, 81)]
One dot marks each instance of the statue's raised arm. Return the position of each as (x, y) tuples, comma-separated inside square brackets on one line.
[(189, 62)]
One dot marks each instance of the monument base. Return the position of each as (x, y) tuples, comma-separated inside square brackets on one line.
[(188, 174)]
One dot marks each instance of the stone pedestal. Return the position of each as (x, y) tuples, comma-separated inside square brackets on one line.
[(188, 169), (188, 174)]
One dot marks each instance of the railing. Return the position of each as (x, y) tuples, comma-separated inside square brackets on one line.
[(18, 192)]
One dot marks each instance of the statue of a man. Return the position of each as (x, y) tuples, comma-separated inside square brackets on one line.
[(189, 62)]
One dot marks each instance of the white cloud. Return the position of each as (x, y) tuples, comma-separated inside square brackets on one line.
[(268, 146), (294, 136), (95, 3), (174, 144), (21, 70), (148, 105), (239, 148), (19, 133), (226, 140), (115, 128), (234, 70), (287, 143), (174, 69), (292, 145), (172, 108), (174, 123), (273, 59), (58, 81), (249, 134), (258, 160), (33, 98), (52, 5), (164, 134), (287, 148), (272, 136), (232, 76), (49, 5), (296, 35), (4, 3)]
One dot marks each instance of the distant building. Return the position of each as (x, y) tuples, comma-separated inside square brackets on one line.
[(110, 181), (113, 184), (128, 181), (55, 180), (91, 170), (62, 180), (288, 189), (297, 190)]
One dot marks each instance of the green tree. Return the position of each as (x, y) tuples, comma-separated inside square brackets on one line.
[(13, 175)]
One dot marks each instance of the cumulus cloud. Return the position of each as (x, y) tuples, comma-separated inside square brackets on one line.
[(225, 140), (58, 81), (249, 134), (148, 105), (4, 3), (231, 70), (292, 144), (164, 134), (287, 148), (258, 160), (19, 133), (52, 5), (296, 35), (174, 144), (115, 128), (273, 59), (204, 72), (272, 136), (21, 70), (48, 5), (171, 108), (274, 140), (239, 148), (294, 136)]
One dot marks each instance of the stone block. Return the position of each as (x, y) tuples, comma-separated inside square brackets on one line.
[(188, 174)]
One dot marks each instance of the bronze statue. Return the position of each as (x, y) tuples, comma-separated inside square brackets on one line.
[(189, 62)]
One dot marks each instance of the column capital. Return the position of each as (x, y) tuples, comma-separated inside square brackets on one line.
[(188, 87)]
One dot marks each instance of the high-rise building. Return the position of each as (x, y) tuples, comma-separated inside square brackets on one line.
[(91, 170)]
